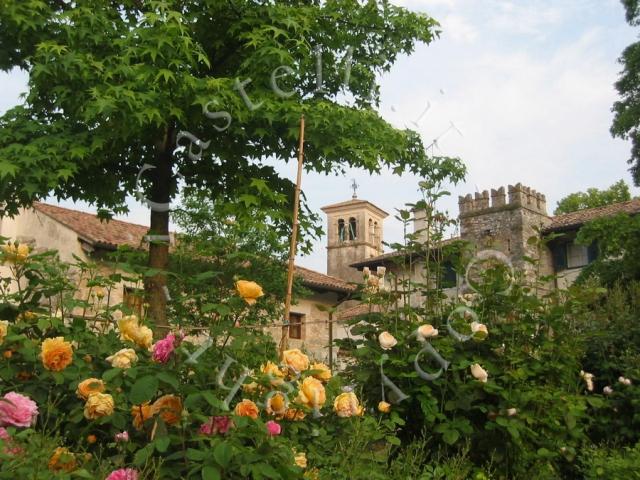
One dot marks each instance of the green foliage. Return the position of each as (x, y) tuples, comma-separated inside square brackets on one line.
[(598, 463), (618, 249), (593, 197)]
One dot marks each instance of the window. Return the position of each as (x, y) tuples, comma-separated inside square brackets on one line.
[(133, 299), (577, 256), (341, 232), (372, 232), (353, 230), (295, 325), (448, 277)]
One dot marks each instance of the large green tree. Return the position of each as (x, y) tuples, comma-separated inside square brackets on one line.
[(594, 197), (202, 89), (626, 122)]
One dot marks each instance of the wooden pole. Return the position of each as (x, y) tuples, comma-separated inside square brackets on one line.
[(284, 341)]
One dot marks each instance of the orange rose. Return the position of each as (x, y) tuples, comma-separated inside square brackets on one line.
[(98, 405), (274, 373), (250, 291), (170, 409), (246, 408), (56, 354), (294, 414), (89, 386), (91, 439), (347, 405), (62, 460), (142, 413)]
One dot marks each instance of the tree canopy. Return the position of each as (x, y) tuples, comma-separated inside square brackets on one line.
[(198, 90), (593, 197), (626, 122)]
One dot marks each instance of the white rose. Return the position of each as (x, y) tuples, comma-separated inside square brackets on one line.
[(426, 331), (479, 330), (607, 390), (479, 373), (511, 412), (387, 341)]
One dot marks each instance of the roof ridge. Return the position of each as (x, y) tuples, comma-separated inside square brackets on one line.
[(106, 220), (320, 273)]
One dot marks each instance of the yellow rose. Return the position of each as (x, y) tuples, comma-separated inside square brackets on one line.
[(311, 393), (4, 328), (347, 405), (128, 326), (22, 252), (300, 459), (250, 291), (323, 373), (144, 337), (170, 408), (274, 372), (384, 407), (56, 354), (62, 460), (276, 404), (249, 387), (142, 413), (90, 386), (246, 408), (98, 405), (296, 360), (123, 358)]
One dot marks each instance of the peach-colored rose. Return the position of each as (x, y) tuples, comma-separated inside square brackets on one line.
[(250, 291), (89, 386), (427, 331), (311, 393), (294, 414), (295, 360), (142, 413), (62, 460), (479, 331), (479, 373), (123, 358), (247, 408), (387, 341), (347, 405), (276, 375), (384, 407), (169, 407), (98, 405), (56, 353)]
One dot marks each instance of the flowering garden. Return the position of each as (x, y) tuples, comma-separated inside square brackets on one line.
[(532, 383)]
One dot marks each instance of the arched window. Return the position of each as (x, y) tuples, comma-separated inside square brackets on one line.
[(341, 231), (372, 234), (376, 235), (353, 229)]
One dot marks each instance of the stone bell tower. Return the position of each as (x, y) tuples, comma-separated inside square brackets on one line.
[(354, 233)]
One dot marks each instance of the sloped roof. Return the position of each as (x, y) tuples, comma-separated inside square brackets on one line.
[(385, 257), (352, 203), (569, 221), (357, 310), (314, 279), (91, 229)]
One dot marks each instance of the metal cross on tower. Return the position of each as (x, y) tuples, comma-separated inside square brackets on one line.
[(354, 186)]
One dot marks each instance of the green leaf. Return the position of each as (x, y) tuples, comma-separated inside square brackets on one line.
[(210, 473), (162, 443), (222, 454), (144, 389), (451, 436), (169, 378), (143, 455)]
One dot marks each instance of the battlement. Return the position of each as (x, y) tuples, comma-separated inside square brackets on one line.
[(519, 197)]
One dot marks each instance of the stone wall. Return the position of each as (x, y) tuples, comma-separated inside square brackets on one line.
[(495, 221)]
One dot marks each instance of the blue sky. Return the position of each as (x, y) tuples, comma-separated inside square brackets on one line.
[(528, 83)]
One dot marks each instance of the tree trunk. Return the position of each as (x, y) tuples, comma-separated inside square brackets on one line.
[(155, 285)]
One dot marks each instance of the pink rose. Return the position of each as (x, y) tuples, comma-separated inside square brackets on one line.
[(123, 474), (10, 448), (122, 437), (216, 425), (273, 428), (17, 411), (163, 349)]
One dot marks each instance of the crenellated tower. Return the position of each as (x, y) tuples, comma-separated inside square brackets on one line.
[(504, 221)]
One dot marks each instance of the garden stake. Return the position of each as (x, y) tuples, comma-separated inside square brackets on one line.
[(292, 246)]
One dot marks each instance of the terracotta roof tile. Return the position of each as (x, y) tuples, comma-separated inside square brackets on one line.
[(311, 278), (385, 257), (572, 220), (97, 232), (357, 310)]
